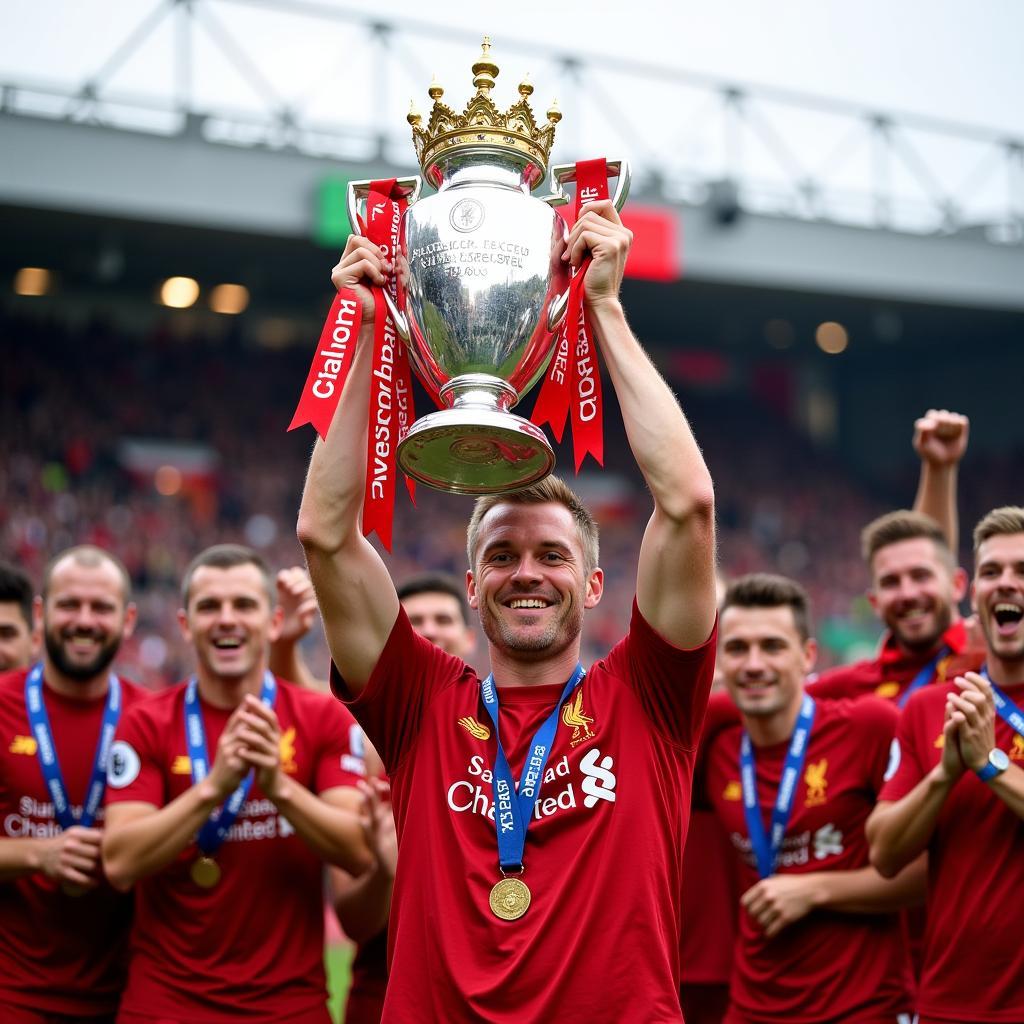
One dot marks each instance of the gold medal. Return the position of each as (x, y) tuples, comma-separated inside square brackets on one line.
[(205, 872), (510, 899)]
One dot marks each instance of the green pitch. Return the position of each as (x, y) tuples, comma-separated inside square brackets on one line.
[(337, 962)]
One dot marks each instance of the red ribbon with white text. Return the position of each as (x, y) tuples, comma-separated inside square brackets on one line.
[(391, 401), (573, 380)]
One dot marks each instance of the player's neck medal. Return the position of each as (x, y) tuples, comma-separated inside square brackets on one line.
[(205, 872), (510, 899), (514, 806)]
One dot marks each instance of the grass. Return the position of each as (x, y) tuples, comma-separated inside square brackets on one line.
[(338, 962)]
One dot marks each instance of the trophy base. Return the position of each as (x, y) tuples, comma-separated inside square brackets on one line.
[(475, 451)]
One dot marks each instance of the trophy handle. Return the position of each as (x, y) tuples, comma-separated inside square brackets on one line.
[(560, 174), (358, 193)]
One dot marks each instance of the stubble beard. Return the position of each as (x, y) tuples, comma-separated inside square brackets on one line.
[(943, 620)]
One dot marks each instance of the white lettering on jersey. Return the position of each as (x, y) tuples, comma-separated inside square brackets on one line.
[(284, 827), (894, 760), (356, 741), (124, 766), (599, 781), (828, 842)]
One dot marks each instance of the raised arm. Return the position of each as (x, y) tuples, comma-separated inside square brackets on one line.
[(676, 573), (356, 595), (940, 440)]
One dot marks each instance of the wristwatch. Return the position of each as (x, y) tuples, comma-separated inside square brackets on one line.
[(997, 763)]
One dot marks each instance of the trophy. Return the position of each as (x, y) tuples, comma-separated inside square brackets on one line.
[(483, 287)]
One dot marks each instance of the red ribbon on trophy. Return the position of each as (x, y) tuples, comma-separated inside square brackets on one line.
[(573, 380), (391, 400)]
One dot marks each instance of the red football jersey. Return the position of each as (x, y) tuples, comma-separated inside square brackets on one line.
[(972, 963), (603, 858), (889, 675), (828, 966), (60, 954), (251, 946)]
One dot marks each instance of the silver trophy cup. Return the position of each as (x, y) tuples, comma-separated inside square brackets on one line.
[(484, 290)]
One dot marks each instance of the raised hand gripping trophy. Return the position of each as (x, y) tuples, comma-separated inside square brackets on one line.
[(483, 285)]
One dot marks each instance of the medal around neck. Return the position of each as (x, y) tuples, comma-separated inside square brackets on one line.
[(483, 289), (205, 872), (510, 899)]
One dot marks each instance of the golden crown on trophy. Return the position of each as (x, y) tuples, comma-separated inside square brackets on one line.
[(483, 125)]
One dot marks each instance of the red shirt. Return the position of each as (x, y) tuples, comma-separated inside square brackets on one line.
[(603, 858), (828, 966), (972, 961), (889, 675), (252, 946), (59, 954)]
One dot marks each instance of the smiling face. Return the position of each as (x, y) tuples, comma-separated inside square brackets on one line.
[(915, 591), (763, 659), (529, 583), (997, 594), (438, 617), (85, 617), (229, 620)]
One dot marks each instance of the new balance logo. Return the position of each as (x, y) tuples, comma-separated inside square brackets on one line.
[(598, 779)]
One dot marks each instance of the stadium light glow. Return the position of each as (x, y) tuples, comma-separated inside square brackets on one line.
[(831, 337), (229, 299), (32, 281), (179, 292)]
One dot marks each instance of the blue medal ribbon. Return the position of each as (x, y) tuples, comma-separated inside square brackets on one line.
[(215, 830), (923, 677), (766, 849), (46, 751), (1005, 706), (513, 811)]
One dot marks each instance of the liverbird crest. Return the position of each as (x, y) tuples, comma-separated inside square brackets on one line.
[(483, 125)]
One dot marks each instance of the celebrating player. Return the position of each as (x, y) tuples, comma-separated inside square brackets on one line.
[(16, 638), (916, 584), (64, 928), (227, 795), (956, 789), (558, 900), (793, 784)]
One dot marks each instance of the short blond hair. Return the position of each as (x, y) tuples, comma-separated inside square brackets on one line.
[(550, 489), (1006, 520)]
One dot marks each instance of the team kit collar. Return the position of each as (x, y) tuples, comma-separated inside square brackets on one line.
[(513, 810), (767, 846), (205, 871), (954, 639)]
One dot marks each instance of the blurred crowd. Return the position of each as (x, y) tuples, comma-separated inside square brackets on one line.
[(76, 395)]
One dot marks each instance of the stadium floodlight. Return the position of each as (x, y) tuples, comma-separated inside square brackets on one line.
[(831, 337), (229, 299), (179, 292), (32, 281)]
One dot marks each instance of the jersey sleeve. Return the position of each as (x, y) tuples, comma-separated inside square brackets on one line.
[(878, 721), (907, 762), (410, 672), (135, 772), (340, 752), (671, 683)]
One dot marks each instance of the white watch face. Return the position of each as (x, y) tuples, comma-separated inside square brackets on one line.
[(999, 759)]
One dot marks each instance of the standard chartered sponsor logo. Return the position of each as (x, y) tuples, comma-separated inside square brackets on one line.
[(894, 760), (558, 791), (599, 780), (828, 842), (35, 819)]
